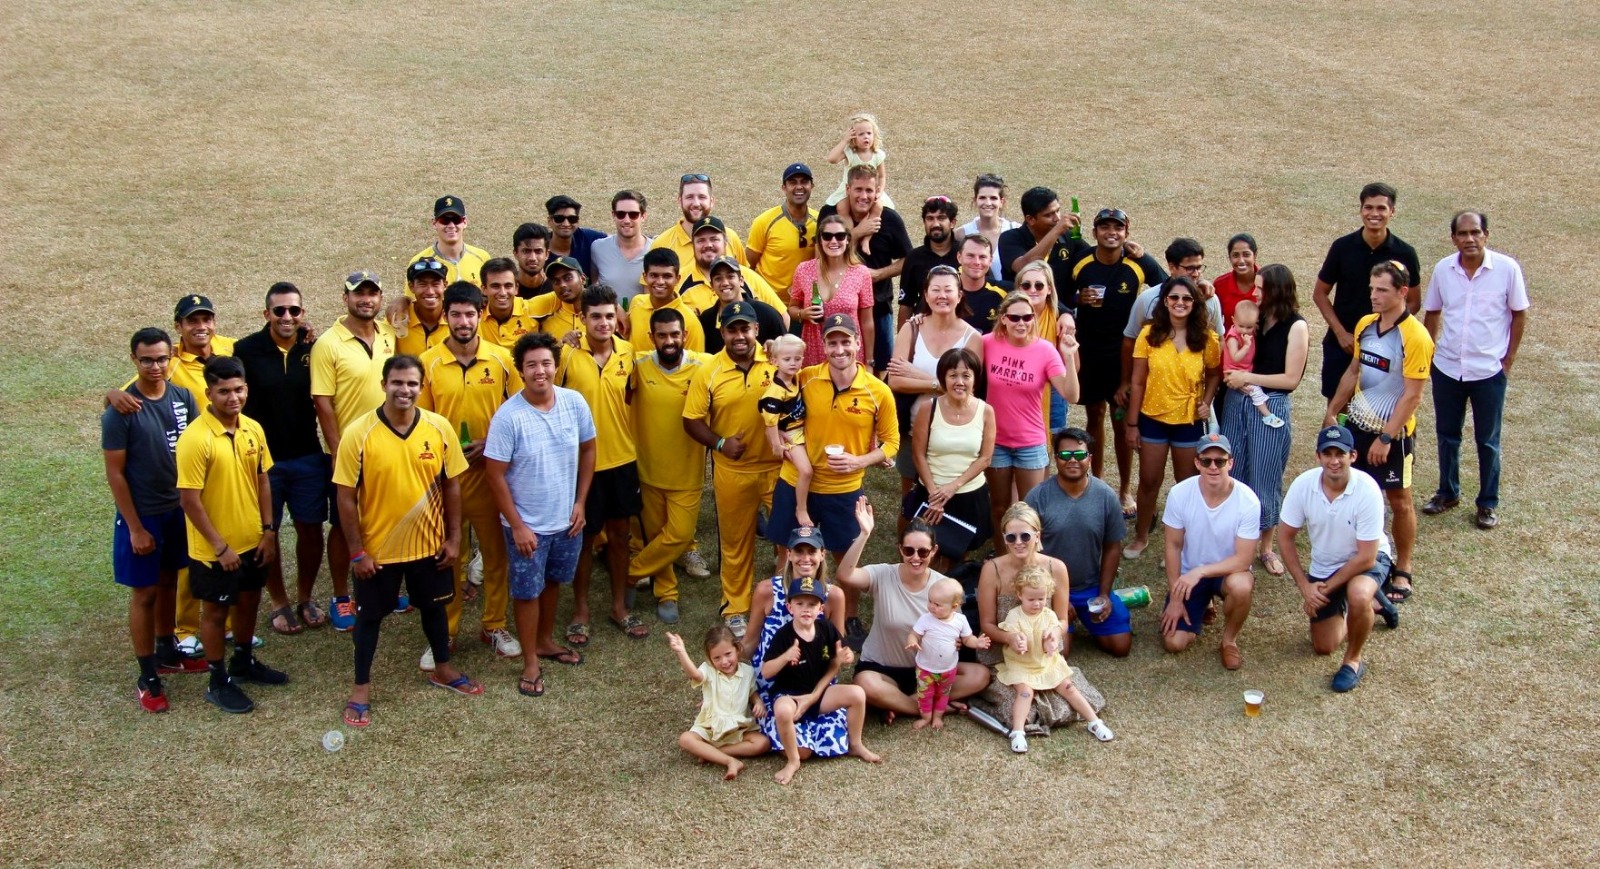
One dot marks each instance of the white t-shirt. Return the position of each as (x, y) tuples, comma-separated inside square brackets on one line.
[(894, 611), (1335, 527), (941, 641), (1211, 534)]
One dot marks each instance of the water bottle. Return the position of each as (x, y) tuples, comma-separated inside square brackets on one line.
[(1135, 597)]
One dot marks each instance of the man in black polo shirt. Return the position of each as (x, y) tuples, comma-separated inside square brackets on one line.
[(938, 249), (1045, 233), (277, 369), (882, 244), (980, 295), (727, 282), (1104, 284), (1346, 273)]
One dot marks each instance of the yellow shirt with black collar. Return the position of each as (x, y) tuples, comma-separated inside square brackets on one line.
[(855, 417), (553, 316), (606, 391), (505, 334), (399, 481), (681, 243), (469, 268), (468, 395), (418, 338), (697, 292), (782, 246), (226, 468), (727, 399), (642, 306)]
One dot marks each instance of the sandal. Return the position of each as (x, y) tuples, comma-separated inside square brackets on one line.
[(570, 657), (531, 687), (1271, 562), (284, 621), (460, 684), (1100, 731), (632, 627), (1398, 593), (578, 634), (357, 714), (310, 614)]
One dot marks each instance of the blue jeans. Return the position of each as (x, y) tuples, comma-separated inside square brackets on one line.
[(1450, 398)]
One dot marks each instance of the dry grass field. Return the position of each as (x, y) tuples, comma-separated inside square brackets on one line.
[(161, 148)]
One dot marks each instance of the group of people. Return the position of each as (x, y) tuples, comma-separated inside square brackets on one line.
[(559, 404)]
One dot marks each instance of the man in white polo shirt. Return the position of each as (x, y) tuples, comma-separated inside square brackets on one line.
[(1475, 308), (1350, 558)]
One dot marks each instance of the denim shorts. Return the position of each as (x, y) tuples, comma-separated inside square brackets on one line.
[(1034, 458), (301, 484), (554, 561), (1182, 435)]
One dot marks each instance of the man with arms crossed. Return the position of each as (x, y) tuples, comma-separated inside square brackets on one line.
[(539, 464), (398, 476)]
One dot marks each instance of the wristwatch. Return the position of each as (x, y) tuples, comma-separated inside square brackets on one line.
[(1385, 438), (269, 527)]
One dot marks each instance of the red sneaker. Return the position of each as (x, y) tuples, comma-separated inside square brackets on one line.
[(182, 665), (151, 697)]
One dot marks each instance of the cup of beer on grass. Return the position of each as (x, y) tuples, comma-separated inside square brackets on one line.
[(1252, 703)]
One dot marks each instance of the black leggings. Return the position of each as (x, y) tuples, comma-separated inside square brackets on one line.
[(431, 590)]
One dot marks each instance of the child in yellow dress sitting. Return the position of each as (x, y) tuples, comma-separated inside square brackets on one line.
[(1033, 660)]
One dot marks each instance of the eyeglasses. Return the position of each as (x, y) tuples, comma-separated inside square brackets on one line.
[(695, 178), (156, 362), (1019, 536), (291, 310), (564, 218), (449, 219), (1187, 300), (1212, 461), (944, 270), (835, 236), (1033, 285), (916, 551), (625, 215), (1072, 455), (1020, 318), (1194, 269)]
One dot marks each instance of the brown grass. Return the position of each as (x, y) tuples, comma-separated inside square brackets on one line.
[(159, 149)]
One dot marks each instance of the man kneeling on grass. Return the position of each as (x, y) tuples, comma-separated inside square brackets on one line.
[(400, 510)]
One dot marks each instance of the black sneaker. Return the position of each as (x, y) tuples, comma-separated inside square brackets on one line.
[(855, 633), (229, 698), (252, 670)]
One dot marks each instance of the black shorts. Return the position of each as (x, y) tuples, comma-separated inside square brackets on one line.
[(427, 583), (1394, 473), (904, 678), (1100, 377), (1338, 601), (1335, 362), (210, 583), (613, 494)]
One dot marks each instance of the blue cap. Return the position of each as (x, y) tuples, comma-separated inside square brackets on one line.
[(808, 586), (1336, 436), (805, 535), (797, 169), (1214, 441)]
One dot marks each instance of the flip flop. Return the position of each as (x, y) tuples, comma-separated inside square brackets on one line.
[(460, 684), (357, 714), (578, 634), (310, 614), (1272, 563), (632, 627), (536, 689), (565, 657), (291, 623)]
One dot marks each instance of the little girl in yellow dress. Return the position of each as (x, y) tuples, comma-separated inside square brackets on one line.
[(1033, 660)]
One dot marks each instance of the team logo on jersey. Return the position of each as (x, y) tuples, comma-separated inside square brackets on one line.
[(1123, 289), (487, 378), (427, 452), (1373, 360)]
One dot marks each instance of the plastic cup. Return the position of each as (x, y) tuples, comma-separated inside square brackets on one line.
[(1252, 703), (1095, 294), (1097, 606), (834, 449), (333, 740)]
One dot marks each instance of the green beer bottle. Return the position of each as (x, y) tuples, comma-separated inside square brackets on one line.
[(466, 435), (1135, 597), (1077, 231)]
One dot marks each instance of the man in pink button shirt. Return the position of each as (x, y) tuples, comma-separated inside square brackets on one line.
[(1475, 308)]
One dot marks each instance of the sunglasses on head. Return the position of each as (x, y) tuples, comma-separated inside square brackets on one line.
[(564, 218), (916, 551), (1212, 461), (936, 199), (626, 215), (944, 270), (833, 236), (695, 178), (291, 310), (449, 219), (1020, 318), (1072, 455), (1019, 536)]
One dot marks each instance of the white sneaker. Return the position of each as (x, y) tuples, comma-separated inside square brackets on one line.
[(191, 647), (426, 664), (1019, 742), (505, 645), (255, 641), (693, 564), (475, 569), (737, 624), (1100, 731)]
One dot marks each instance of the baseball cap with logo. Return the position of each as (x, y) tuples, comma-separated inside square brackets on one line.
[(1111, 215), (191, 304), (723, 261), (708, 222), (808, 586), (737, 312), (796, 169), (449, 205), (426, 266), (1214, 441), (356, 279), (562, 262), (840, 323), (1336, 436)]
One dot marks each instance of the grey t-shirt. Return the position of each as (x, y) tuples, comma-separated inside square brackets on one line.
[(1076, 530), (615, 270), (894, 611), (150, 437)]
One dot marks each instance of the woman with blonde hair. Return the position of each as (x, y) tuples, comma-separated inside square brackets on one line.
[(1053, 323)]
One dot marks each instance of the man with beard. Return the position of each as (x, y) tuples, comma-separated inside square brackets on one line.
[(568, 239), (781, 237), (462, 261), (711, 244), (695, 201), (530, 248), (938, 249)]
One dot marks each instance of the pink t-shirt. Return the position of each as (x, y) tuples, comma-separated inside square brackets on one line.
[(1017, 377), (853, 293), (1249, 360)]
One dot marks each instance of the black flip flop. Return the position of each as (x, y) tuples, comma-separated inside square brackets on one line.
[(538, 686), (561, 657)]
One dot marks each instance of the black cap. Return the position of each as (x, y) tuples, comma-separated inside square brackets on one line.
[(449, 205), (797, 169), (426, 266), (1111, 214), (805, 535), (562, 262), (356, 279), (190, 304), (720, 261), (708, 222), (736, 312), (840, 323)]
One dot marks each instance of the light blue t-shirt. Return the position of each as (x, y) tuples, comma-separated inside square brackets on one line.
[(541, 448)]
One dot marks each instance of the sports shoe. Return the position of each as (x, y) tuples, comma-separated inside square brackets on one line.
[(738, 624), (404, 604), (169, 660), (151, 697), (475, 569), (191, 647), (252, 670), (426, 663), (505, 645), (255, 641), (667, 612), (230, 699), (342, 614), (693, 564)]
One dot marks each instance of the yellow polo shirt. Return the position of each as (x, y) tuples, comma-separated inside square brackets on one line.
[(226, 468), (606, 393), (726, 399), (552, 316), (682, 243), (419, 338), (639, 311), (469, 395), (668, 458), (399, 482), (777, 239), (344, 367), (855, 416), (697, 292), (469, 268), (515, 326)]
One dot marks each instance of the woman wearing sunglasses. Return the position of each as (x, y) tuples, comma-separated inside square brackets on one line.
[(1177, 364), (1019, 366), (1053, 323), (832, 282), (887, 670), (1019, 529)]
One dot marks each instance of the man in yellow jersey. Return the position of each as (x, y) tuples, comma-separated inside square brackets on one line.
[(462, 261), (530, 248), (398, 474), (601, 370), (695, 201), (227, 504), (421, 324), (346, 382), (710, 245), (465, 380), (721, 413), (780, 238), (661, 279), (559, 313), (506, 317), (672, 465), (850, 426)]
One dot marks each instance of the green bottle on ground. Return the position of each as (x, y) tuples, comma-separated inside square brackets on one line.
[(1135, 597)]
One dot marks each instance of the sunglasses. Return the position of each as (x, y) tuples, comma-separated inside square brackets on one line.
[(1072, 455), (1187, 300), (944, 270), (833, 236), (916, 551), (1019, 536), (626, 215), (1020, 318), (1212, 461), (449, 219), (695, 178), (1033, 285), (564, 218), (291, 310)]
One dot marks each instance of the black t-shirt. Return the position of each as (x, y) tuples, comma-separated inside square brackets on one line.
[(816, 657), (769, 323), (914, 274), (1348, 269), (889, 243), (280, 394), (983, 306), (1019, 240), (1100, 327), (150, 438)]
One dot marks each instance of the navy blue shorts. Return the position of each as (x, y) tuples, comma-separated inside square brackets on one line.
[(1337, 601), (835, 516), (1118, 621), (1195, 607), (171, 553), (302, 484)]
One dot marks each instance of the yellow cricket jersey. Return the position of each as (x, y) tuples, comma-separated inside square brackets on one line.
[(678, 241), (226, 468), (469, 268), (468, 394), (505, 334), (855, 417), (418, 338), (553, 316), (399, 482), (782, 246), (726, 399), (697, 293), (344, 367), (668, 458), (606, 393), (639, 311)]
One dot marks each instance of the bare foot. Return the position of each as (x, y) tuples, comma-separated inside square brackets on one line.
[(783, 776), (734, 768), (938, 722), (864, 753), (921, 723)]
